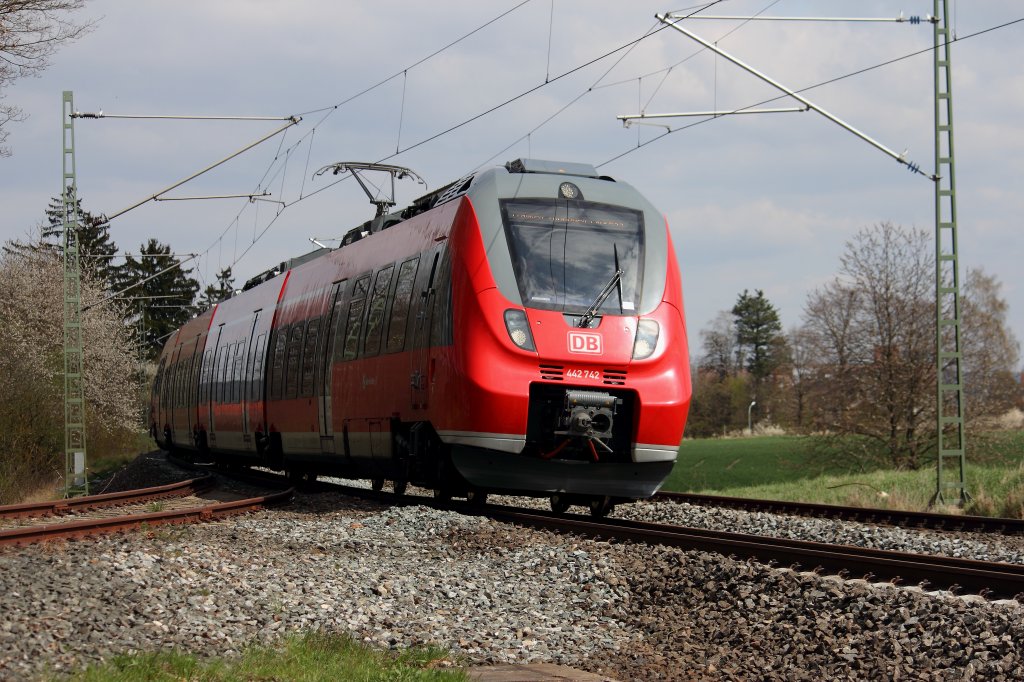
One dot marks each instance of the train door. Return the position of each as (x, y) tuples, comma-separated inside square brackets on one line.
[(251, 352), (419, 377), (335, 313)]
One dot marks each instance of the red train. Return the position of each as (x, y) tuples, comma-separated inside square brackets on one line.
[(520, 330)]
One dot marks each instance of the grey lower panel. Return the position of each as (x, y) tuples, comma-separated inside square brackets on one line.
[(643, 452), (506, 442), (532, 475)]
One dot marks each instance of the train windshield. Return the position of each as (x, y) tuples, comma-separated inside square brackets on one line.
[(565, 253)]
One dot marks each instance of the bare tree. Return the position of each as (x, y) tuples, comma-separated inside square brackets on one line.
[(873, 329), (719, 345), (31, 31), (991, 353)]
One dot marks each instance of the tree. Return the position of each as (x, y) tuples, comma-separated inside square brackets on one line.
[(719, 345), (224, 289), (95, 247), (760, 345), (166, 292), (32, 366), (874, 331), (990, 350), (30, 33)]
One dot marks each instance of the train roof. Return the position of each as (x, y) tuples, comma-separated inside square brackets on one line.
[(440, 196)]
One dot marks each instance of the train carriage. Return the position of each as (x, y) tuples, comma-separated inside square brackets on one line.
[(520, 330)]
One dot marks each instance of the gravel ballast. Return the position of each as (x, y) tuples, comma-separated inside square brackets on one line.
[(398, 577)]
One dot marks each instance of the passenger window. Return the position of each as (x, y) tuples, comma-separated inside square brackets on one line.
[(222, 378), (378, 303), (158, 380), (257, 368), (172, 384), (236, 373), (400, 308), (309, 357), (277, 372), (292, 361), (204, 383), (193, 386), (355, 318)]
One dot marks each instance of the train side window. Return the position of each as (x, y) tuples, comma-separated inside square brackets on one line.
[(258, 363), (441, 317), (309, 357), (400, 307), (378, 304), (163, 386), (355, 318), (204, 380), (277, 371), (335, 343), (236, 373), (222, 372), (193, 386), (172, 385), (291, 364), (178, 381), (158, 380)]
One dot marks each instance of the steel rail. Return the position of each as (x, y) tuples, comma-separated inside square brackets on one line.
[(65, 506), (88, 527), (989, 579), (992, 580), (887, 517)]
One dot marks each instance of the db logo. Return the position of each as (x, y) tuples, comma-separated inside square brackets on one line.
[(584, 342)]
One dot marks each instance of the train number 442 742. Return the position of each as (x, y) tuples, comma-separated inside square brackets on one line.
[(583, 374)]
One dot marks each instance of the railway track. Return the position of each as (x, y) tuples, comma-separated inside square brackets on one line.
[(113, 512), (887, 517), (992, 580)]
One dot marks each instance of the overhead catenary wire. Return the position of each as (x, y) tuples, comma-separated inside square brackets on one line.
[(812, 87), (463, 123), (309, 136)]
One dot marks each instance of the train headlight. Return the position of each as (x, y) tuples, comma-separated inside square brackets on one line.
[(646, 339), (518, 328), (567, 190)]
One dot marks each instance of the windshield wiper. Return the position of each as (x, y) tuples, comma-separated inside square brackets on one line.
[(588, 316)]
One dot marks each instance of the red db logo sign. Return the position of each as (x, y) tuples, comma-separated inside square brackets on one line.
[(584, 342)]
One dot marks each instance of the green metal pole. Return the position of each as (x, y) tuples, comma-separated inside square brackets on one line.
[(951, 456), (76, 481)]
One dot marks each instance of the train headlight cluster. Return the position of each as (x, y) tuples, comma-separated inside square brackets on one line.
[(567, 190), (646, 339), (518, 328)]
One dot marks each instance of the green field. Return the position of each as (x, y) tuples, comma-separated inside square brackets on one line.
[(789, 468)]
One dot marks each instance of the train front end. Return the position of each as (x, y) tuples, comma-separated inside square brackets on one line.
[(573, 361)]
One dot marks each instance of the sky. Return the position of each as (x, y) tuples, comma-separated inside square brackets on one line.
[(765, 201)]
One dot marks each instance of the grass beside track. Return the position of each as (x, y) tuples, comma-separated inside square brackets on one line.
[(789, 468), (310, 658)]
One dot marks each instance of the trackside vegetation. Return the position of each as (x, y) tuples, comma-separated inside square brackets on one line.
[(307, 658), (809, 469)]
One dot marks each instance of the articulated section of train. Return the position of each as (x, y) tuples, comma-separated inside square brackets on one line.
[(520, 330)]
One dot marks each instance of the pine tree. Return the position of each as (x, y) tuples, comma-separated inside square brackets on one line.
[(216, 293), (760, 344), (96, 249), (166, 294)]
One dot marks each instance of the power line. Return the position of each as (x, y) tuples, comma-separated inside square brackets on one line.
[(329, 110), (812, 87)]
